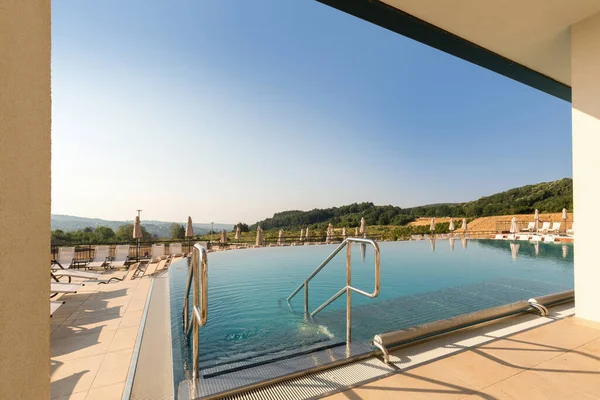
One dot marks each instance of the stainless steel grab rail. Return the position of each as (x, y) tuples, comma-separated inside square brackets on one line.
[(348, 289), (198, 280)]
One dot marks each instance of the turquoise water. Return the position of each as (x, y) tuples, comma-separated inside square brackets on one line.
[(246, 317)]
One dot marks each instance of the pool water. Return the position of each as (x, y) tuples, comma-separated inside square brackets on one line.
[(247, 317)]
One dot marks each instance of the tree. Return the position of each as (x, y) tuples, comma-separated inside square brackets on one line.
[(243, 227), (125, 233), (104, 234), (177, 231)]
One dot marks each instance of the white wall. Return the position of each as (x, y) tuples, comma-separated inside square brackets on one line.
[(585, 80)]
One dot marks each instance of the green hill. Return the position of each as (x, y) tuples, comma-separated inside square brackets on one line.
[(546, 197)]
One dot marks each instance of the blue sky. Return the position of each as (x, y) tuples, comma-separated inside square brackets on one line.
[(233, 110)]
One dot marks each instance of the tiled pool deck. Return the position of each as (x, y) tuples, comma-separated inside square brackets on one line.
[(94, 333), (92, 339)]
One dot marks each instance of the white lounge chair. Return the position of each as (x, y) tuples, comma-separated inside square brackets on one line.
[(57, 287), (100, 257), (571, 232), (545, 227), (175, 250), (121, 256), (530, 227), (158, 253), (555, 227), (54, 305), (66, 256)]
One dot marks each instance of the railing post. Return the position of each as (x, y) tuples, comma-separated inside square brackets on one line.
[(306, 298), (195, 339), (348, 293)]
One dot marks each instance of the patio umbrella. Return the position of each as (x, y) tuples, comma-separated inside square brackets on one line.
[(451, 225), (356, 232), (514, 250), (514, 226), (281, 237), (189, 231), (536, 218), (432, 243), (451, 243), (565, 250), (363, 227), (432, 225), (259, 238), (238, 233), (564, 217), (306, 234), (464, 225), (464, 242), (223, 237), (344, 233), (302, 234), (137, 234), (329, 233)]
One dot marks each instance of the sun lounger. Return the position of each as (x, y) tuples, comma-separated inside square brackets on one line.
[(54, 305), (56, 287), (69, 273), (530, 227), (150, 266), (66, 256), (175, 250), (100, 257), (571, 231), (545, 227), (158, 252), (555, 227), (121, 256)]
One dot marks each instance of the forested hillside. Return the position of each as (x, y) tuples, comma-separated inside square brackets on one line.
[(546, 197)]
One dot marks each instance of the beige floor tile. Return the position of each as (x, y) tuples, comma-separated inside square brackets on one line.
[(136, 305), (591, 348), (366, 392), (74, 376), (113, 369), (89, 342), (475, 368), (518, 354), (425, 382), (73, 396), (124, 339), (532, 386), (131, 318), (565, 335), (575, 370), (110, 392)]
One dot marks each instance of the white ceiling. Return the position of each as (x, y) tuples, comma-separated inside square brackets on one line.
[(534, 33)]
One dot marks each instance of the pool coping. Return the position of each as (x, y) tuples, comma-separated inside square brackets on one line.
[(136, 349)]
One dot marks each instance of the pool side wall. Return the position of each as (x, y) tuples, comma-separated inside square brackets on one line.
[(25, 115)]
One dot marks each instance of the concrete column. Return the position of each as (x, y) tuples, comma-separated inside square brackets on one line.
[(585, 81), (25, 115)]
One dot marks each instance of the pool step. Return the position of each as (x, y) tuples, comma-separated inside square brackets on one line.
[(228, 367), (232, 378)]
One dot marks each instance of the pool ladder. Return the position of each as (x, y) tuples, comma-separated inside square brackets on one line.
[(197, 279), (348, 289)]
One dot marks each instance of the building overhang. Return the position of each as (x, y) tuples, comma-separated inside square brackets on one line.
[(528, 41)]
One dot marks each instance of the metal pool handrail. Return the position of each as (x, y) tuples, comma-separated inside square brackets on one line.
[(348, 289), (198, 280)]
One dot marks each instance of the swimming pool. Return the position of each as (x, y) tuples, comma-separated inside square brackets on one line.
[(247, 319)]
